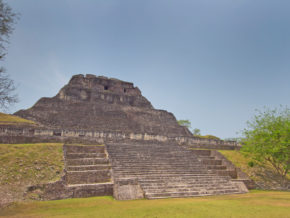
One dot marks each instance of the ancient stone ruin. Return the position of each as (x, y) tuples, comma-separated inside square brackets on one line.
[(146, 153), (102, 104)]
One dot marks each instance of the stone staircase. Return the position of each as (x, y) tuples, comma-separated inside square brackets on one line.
[(87, 171), (217, 163), (213, 164), (170, 170)]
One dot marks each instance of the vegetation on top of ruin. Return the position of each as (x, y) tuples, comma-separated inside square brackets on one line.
[(251, 205), (196, 131), (23, 165), (7, 119), (208, 137)]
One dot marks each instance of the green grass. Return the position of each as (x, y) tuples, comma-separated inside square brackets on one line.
[(255, 204), (240, 161), (263, 174), (7, 119), (22, 165), (35, 163)]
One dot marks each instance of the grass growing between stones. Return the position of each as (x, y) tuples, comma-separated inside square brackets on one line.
[(22, 165), (255, 204), (7, 119)]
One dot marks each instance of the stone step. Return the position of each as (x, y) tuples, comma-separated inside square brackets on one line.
[(153, 172), (201, 152), (91, 190), (199, 184), (86, 161), (165, 182), (168, 177), (148, 172), (216, 167), (188, 189), (232, 173), (86, 177), (85, 155), (161, 181), (195, 187), (155, 167), (211, 162), (153, 164), (88, 167), (190, 194), (206, 158), (84, 149)]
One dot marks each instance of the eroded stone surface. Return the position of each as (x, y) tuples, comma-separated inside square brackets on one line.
[(103, 104)]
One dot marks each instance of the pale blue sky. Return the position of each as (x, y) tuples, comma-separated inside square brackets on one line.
[(212, 62)]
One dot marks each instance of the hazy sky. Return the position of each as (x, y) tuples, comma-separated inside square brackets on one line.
[(212, 62)]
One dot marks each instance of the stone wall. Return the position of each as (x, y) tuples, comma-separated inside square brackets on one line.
[(25, 135)]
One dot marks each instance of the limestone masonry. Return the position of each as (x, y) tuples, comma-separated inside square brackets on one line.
[(103, 104)]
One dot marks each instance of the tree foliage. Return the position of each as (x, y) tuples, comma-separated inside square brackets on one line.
[(7, 21), (196, 132), (267, 139), (7, 88), (185, 123)]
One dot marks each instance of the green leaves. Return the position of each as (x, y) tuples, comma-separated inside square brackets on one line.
[(185, 123), (267, 138)]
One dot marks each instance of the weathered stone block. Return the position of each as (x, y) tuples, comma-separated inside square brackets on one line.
[(127, 189)]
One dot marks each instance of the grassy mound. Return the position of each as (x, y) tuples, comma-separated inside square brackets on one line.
[(255, 204), (22, 165), (7, 119), (264, 175)]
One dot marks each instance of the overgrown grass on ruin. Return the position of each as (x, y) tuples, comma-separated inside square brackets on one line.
[(22, 165), (7, 119), (263, 175), (255, 204), (35, 163)]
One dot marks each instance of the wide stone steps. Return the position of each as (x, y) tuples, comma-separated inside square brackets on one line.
[(170, 170)]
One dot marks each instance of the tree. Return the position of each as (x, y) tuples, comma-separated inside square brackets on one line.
[(267, 139), (185, 123), (7, 20), (196, 132), (6, 90)]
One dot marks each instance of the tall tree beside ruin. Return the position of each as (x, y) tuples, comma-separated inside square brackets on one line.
[(7, 87), (267, 139)]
